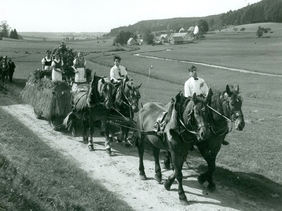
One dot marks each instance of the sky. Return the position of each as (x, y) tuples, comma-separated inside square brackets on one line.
[(104, 15)]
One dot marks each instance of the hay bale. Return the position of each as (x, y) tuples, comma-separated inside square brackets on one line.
[(50, 99)]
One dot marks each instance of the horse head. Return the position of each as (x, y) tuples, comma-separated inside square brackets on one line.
[(194, 116), (131, 94), (234, 104), (100, 91)]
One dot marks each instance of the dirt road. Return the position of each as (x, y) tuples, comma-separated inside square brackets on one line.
[(119, 173)]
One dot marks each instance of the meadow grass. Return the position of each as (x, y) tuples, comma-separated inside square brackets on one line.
[(35, 177)]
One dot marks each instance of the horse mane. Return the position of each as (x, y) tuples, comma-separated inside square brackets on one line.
[(95, 88)]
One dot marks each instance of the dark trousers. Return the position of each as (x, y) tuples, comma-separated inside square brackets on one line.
[(11, 73)]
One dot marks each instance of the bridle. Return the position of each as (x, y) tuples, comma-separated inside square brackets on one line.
[(233, 116), (194, 131)]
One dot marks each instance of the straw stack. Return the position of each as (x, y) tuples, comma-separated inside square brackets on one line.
[(50, 99)]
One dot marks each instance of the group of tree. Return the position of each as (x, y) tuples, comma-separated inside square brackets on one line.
[(263, 11), (123, 36), (262, 30), (5, 31)]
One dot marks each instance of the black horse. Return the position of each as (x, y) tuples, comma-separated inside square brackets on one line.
[(91, 103), (184, 115), (126, 103), (224, 108)]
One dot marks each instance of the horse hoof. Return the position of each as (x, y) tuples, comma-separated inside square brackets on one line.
[(119, 140), (158, 179), (167, 185), (201, 180), (143, 177), (109, 151), (211, 187), (184, 202), (91, 148)]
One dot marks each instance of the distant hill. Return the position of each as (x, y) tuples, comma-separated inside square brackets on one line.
[(57, 36), (263, 11)]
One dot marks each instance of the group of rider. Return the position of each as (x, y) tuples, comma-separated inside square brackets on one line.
[(7, 69)]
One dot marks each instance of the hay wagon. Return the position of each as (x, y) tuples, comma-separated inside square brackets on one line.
[(51, 100)]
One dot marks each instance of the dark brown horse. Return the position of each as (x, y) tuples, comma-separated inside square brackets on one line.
[(90, 105), (225, 107), (184, 115), (4, 72), (126, 103)]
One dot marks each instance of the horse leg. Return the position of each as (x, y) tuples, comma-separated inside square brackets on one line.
[(86, 132), (91, 132), (158, 174), (167, 161), (126, 131), (140, 147), (108, 138), (210, 157), (178, 164)]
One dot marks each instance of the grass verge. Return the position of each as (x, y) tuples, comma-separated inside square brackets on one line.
[(34, 177)]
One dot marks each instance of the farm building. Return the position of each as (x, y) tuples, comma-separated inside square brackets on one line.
[(131, 42), (191, 29), (180, 38), (181, 30), (163, 38)]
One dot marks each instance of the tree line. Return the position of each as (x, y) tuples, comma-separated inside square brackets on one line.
[(263, 11), (6, 31)]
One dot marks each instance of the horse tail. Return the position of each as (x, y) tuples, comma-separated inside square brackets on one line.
[(68, 121)]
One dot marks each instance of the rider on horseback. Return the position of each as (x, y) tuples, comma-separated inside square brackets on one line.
[(196, 85)]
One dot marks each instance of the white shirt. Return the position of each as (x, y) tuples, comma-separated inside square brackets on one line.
[(117, 73), (192, 86), (196, 30)]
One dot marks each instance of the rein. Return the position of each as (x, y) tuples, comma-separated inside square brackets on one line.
[(229, 120)]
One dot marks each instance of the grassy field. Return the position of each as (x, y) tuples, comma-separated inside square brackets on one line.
[(256, 151)]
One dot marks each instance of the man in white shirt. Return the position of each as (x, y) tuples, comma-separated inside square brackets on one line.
[(195, 84), (117, 72)]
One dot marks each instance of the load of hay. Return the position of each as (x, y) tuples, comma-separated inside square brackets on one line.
[(50, 99)]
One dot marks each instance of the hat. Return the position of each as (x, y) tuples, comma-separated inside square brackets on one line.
[(192, 68)]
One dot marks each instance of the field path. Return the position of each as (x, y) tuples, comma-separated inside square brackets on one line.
[(119, 173), (211, 65)]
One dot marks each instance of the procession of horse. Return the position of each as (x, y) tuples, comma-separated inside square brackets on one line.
[(201, 121)]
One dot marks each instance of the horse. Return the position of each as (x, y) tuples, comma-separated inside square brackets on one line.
[(126, 103), (4, 72), (91, 103), (225, 106), (183, 116)]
